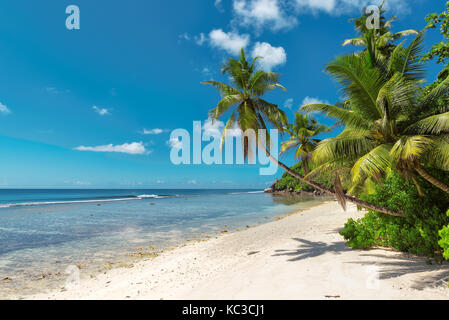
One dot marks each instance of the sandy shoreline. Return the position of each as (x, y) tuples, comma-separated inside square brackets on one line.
[(299, 257)]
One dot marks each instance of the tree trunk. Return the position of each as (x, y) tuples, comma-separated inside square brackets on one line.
[(305, 164), (437, 183), (349, 198)]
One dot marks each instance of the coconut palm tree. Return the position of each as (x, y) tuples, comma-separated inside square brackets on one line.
[(386, 125), (377, 42), (243, 100), (249, 85), (302, 138)]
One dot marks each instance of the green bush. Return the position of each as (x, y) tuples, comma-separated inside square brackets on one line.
[(416, 232), (444, 242)]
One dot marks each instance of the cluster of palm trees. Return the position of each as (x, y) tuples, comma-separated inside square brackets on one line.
[(387, 124)]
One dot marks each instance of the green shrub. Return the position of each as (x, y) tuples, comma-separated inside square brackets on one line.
[(444, 242), (416, 232)]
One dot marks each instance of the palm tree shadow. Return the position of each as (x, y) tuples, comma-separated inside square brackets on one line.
[(402, 264), (390, 266), (310, 249)]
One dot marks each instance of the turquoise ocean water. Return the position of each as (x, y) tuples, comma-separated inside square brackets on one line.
[(43, 232)]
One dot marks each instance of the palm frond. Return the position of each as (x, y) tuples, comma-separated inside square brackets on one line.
[(348, 117), (273, 114), (412, 67), (410, 148), (360, 81), (434, 95), (440, 152), (374, 163), (433, 125), (355, 42), (288, 145), (350, 147), (223, 88), (224, 104), (405, 33)]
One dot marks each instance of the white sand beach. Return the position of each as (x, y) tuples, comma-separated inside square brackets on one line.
[(299, 257)]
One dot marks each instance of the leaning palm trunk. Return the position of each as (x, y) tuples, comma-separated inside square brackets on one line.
[(431, 179), (349, 198)]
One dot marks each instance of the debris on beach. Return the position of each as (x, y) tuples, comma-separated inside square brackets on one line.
[(7, 279)]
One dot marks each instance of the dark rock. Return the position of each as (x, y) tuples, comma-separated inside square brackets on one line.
[(271, 189)]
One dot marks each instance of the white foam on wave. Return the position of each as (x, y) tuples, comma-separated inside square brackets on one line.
[(247, 192), (152, 196), (46, 203)]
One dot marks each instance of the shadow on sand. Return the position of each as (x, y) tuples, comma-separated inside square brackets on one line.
[(310, 249), (391, 266)]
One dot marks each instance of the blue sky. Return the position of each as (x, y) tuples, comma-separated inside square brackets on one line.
[(132, 74)]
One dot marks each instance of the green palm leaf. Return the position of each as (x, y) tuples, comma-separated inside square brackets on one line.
[(348, 117), (373, 164), (433, 125), (410, 148)]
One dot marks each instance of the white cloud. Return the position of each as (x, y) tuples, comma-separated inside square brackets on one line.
[(101, 111), (283, 14), (219, 5), (55, 91), (324, 5), (199, 40), (174, 143), (312, 100), (184, 36), (206, 72), (337, 7), (152, 131), (191, 182), (230, 42), (260, 13), (288, 104), (4, 109), (213, 128), (51, 90), (271, 56), (130, 148)]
